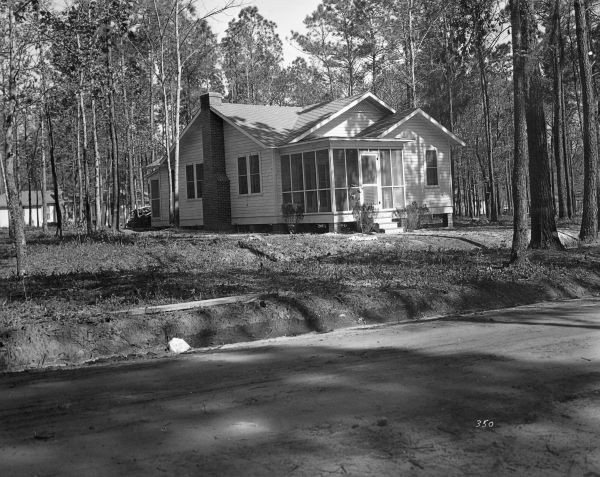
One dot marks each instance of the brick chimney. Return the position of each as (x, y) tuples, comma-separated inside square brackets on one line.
[(216, 202)]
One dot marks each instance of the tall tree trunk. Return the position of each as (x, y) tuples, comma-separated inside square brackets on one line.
[(166, 128), (557, 127), (167, 133), (97, 176), (13, 195), (176, 118), (142, 181), (151, 114), (128, 138), (86, 173), (84, 148), (543, 224), (589, 219), (57, 201), (116, 201), (410, 54), (493, 209), (44, 179), (519, 12), (566, 155), (80, 206)]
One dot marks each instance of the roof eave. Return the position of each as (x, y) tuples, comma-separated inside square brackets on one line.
[(458, 141)]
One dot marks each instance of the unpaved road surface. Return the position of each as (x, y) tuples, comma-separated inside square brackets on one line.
[(406, 399)]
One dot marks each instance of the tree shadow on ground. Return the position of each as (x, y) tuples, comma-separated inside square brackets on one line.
[(284, 408)]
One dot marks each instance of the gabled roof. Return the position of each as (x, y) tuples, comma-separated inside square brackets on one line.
[(274, 126), (386, 125), (36, 198)]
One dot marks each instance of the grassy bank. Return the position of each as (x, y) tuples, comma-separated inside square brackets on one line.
[(61, 313)]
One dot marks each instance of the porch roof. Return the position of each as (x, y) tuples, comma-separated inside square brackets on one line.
[(335, 141)]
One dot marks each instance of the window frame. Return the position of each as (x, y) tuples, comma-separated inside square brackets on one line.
[(427, 168), (198, 184), (249, 175), (152, 199)]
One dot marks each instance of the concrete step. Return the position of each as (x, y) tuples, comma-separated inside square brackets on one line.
[(390, 227), (387, 225)]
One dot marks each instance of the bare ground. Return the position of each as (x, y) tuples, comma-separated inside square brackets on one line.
[(61, 314)]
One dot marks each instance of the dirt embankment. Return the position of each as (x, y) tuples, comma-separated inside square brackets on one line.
[(307, 286)]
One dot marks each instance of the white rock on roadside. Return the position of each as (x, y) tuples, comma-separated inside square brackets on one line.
[(177, 345)]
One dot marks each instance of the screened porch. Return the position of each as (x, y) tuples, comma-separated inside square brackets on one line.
[(330, 179)]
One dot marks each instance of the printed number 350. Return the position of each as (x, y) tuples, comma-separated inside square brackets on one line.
[(484, 423)]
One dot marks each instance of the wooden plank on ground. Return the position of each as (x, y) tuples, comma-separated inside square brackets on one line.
[(189, 305)]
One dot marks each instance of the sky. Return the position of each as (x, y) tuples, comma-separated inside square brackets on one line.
[(287, 14)]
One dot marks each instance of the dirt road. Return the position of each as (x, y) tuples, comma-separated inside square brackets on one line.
[(515, 392)]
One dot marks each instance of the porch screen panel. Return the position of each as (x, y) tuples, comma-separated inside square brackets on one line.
[(310, 170), (297, 174), (341, 200), (286, 180), (305, 180), (323, 180), (311, 203), (339, 168), (323, 169), (352, 167), (297, 179), (340, 177)]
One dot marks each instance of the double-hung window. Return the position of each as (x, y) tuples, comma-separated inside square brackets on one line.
[(249, 174), (194, 179), (431, 166)]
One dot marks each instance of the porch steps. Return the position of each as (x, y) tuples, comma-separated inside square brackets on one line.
[(390, 227)]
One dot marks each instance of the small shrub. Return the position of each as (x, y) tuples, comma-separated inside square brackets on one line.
[(413, 215), (293, 214), (364, 215)]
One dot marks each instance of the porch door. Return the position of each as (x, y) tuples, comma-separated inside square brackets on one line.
[(369, 162), (393, 189)]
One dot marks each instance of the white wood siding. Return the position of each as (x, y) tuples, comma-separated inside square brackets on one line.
[(352, 121), (36, 214), (190, 211), (437, 198), (249, 208), (163, 181), (190, 152)]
